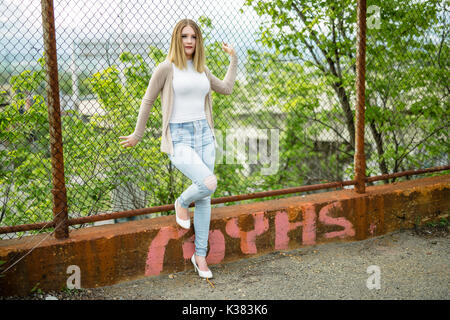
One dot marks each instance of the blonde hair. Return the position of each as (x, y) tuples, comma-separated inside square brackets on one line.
[(176, 52)]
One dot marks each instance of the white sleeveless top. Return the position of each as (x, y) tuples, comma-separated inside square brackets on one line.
[(190, 89)]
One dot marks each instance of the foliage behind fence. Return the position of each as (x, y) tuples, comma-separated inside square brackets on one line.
[(296, 74)]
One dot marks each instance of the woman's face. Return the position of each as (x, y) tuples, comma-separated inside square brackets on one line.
[(188, 38)]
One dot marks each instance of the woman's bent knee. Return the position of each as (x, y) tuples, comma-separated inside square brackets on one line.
[(211, 182)]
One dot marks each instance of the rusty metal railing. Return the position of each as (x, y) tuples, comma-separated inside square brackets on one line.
[(168, 207)]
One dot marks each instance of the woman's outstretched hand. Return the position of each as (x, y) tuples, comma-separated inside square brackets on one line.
[(228, 48), (128, 141)]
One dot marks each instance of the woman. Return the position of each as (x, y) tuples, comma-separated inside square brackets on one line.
[(185, 84)]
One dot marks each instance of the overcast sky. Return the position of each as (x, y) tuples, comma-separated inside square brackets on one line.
[(21, 22), (155, 15)]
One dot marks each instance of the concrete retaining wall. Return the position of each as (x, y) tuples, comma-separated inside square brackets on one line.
[(109, 254)]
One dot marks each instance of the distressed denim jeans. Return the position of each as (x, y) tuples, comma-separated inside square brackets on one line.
[(194, 155)]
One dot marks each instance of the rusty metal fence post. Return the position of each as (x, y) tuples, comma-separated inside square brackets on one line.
[(60, 216), (360, 160)]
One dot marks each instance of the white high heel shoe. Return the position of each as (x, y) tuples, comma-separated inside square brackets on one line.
[(186, 224), (203, 274)]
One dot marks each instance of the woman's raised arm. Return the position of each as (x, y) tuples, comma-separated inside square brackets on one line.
[(226, 85)]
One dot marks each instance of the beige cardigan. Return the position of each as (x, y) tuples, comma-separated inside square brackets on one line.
[(161, 81)]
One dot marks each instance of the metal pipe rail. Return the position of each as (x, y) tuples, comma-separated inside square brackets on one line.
[(168, 207)]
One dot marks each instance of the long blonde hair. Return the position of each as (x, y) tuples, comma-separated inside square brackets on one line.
[(176, 52)]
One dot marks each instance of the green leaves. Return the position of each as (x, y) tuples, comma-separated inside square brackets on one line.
[(303, 89), (405, 91)]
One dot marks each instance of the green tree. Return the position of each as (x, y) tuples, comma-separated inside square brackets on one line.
[(25, 179), (402, 60)]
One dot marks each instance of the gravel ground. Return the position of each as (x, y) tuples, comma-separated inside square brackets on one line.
[(413, 264)]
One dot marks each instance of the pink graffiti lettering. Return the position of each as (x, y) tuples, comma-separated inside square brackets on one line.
[(188, 247), (348, 231), (216, 247), (283, 226), (309, 225), (248, 238), (155, 257)]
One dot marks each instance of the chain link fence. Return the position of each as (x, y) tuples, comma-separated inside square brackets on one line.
[(289, 121), (407, 98)]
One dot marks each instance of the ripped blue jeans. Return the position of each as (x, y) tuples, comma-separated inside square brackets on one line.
[(194, 155)]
